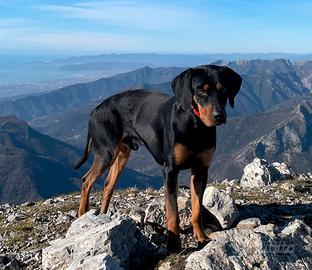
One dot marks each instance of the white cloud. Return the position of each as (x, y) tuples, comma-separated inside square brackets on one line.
[(132, 14), (25, 38)]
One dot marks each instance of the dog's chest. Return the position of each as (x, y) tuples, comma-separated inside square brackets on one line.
[(186, 156)]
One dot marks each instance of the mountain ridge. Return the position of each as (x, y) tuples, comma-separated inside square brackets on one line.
[(35, 166), (263, 87)]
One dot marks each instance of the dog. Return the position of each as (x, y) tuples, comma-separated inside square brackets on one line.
[(179, 131)]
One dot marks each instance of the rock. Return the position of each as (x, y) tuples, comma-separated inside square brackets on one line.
[(286, 172), (93, 235), (290, 248), (260, 173), (228, 190), (220, 205), (185, 212), (28, 203), (154, 212), (234, 182), (8, 262), (48, 202), (101, 261), (268, 229), (15, 217), (249, 223), (288, 186), (11, 218), (297, 226)]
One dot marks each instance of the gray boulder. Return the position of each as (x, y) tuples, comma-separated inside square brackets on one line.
[(155, 212), (101, 262), (286, 172), (263, 247), (93, 242), (221, 205), (260, 173)]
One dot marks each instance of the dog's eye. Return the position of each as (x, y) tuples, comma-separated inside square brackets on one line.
[(201, 91)]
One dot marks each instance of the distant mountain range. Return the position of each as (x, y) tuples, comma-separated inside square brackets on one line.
[(272, 119), (72, 96), (185, 60), (265, 84)]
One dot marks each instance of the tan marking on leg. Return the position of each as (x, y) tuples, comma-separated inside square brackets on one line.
[(206, 156), (180, 153), (119, 164), (197, 185), (89, 178)]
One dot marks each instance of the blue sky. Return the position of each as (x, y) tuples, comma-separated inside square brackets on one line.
[(211, 26)]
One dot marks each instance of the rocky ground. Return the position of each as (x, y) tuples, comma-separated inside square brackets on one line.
[(277, 215)]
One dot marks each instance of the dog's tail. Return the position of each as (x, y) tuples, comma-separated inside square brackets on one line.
[(86, 153)]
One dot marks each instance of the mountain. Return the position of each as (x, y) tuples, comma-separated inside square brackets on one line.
[(283, 134), (166, 60), (35, 166), (265, 84), (69, 97), (100, 66), (304, 69)]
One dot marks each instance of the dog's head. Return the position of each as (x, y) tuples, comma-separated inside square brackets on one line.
[(207, 89)]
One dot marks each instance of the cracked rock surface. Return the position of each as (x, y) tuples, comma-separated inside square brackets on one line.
[(272, 230)]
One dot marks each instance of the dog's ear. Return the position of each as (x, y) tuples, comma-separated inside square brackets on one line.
[(182, 88), (232, 82)]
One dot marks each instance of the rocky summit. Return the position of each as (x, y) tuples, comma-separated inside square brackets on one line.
[(251, 226)]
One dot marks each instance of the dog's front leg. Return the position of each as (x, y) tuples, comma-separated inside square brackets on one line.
[(198, 184), (171, 189)]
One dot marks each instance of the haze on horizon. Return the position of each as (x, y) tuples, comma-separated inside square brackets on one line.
[(76, 27)]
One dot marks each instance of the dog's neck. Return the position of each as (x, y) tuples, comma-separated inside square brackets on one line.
[(195, 109)]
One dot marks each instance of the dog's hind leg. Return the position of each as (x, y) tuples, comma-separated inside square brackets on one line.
[(96, 170), (122, 156)]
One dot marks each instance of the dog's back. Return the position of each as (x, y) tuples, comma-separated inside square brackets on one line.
[(131, 117)]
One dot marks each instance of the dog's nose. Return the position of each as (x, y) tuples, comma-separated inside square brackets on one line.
[(219, 117)]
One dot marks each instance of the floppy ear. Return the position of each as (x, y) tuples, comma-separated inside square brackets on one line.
[(182, 88), (232, 82)]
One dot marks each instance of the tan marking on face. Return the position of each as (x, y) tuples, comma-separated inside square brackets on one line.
[(219, 86), (180, 153), (206, 156), (206, 87), (206, 113)]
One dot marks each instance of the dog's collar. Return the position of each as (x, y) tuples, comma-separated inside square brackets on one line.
[(195, 110)]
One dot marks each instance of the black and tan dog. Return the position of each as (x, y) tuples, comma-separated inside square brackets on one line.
[(179, 131)]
